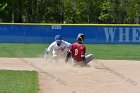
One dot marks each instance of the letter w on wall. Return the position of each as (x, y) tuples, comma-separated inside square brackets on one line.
[(109, 33)]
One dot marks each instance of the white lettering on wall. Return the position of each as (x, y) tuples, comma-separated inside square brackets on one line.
[(110, 33), (124, 35), (136, 35)]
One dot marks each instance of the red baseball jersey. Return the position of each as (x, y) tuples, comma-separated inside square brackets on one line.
[(78, 51)]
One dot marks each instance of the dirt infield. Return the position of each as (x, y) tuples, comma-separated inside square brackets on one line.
[(101, 76)]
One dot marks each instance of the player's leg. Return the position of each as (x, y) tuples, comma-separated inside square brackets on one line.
[(89, 57)]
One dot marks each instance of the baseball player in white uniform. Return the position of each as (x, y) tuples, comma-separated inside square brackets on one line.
[(58, 48)]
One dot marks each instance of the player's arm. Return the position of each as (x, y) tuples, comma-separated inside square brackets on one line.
[(83, 52), (47, 50), (84, 60), (67, 44), (68, 54)]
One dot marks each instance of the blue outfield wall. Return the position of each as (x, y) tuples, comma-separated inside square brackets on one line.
[(95, 34)]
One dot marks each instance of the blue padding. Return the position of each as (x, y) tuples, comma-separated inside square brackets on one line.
[(46, 33)]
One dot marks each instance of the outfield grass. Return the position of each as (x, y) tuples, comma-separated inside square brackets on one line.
[(18, 81), (22, 50), (100, 51), (117, 52)]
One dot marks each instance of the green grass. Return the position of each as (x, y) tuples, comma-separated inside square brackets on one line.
[(100, 51), (22, 50), (18, 81), (117, 52)]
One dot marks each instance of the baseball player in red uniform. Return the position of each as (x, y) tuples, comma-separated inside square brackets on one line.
[(78, 51)]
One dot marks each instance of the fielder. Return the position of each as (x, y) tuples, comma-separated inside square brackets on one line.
[(58, 48), (78, 52)]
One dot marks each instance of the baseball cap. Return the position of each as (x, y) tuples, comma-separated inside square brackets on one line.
[(58, 37)]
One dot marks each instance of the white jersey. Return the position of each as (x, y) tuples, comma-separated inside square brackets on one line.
[(58, 50)]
